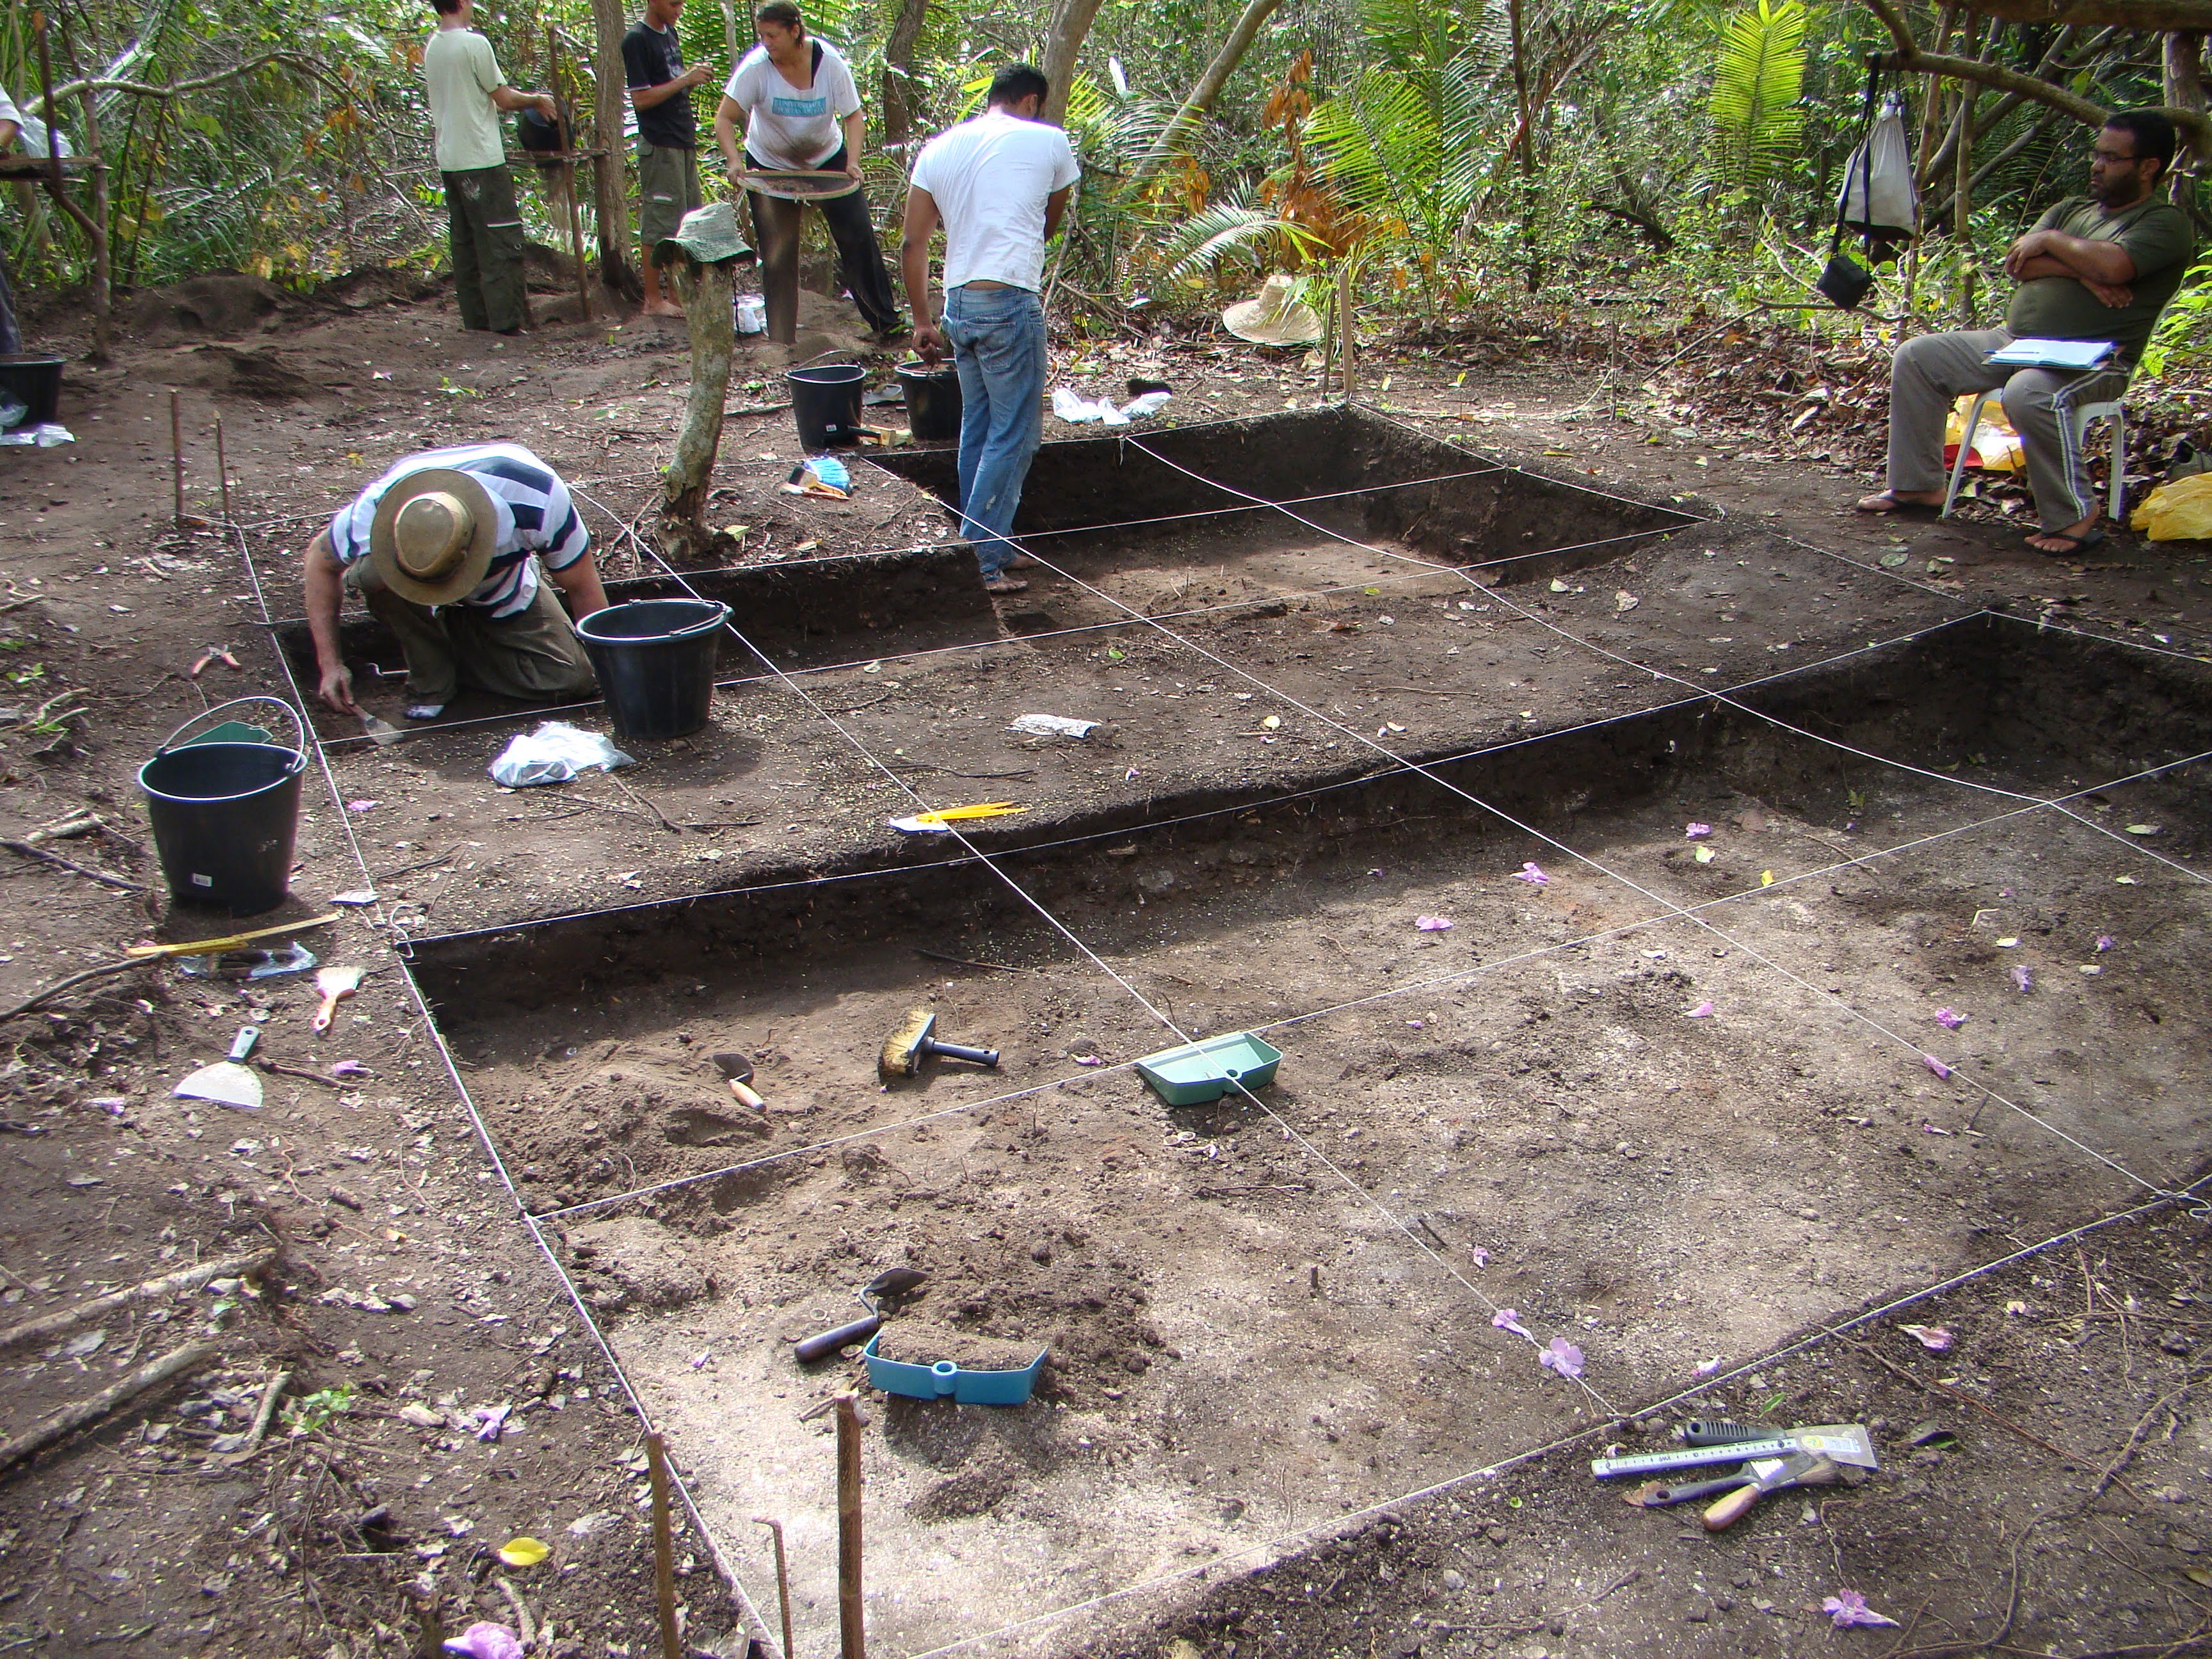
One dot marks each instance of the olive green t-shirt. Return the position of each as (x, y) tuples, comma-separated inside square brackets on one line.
[(461, 72), (2157, 237)]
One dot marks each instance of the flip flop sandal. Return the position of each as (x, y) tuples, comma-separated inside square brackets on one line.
[(1897, 509), (2075, 546)]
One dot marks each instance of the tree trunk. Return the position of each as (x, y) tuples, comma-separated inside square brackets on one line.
[(1063, 41), (1208, 88), (93, 224), (2185, 90), (732, 41), (900, 98), (1526, 139), (608, 172), (705, 292)]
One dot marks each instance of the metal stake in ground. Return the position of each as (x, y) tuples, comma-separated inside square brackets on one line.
[(852, 1635), (782, 1576), (222, 470), (663, 1547)]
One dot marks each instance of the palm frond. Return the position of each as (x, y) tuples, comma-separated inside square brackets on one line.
[(1759, 76)]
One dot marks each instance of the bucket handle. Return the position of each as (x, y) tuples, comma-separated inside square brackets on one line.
[(299, 726), (834, 351)]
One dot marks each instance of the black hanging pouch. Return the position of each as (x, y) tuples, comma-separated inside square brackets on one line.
[(1845, 282)]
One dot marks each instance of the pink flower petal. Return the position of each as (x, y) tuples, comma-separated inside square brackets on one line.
[(1848, 1607), (1703, 1011), (1481, 1256), (349, 1068), (1707, 1367), (1697, 829), (1530, 874), (1509, 1318), (2105, 942), (1089, 1060), (2022, 979), (1563, 1357), (1935, 1066), (1432, 924), (1948, 1020), (486, 1640), (360, 805), (1933, 1338)]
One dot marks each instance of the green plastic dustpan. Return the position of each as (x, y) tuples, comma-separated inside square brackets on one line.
[(1200, 1071)]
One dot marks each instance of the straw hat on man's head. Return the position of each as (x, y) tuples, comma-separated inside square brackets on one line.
[(434, 536)]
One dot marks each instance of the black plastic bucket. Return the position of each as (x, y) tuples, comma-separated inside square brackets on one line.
[(226, 817), (826, 401), (36, 382), (933, 400), (656, 661)]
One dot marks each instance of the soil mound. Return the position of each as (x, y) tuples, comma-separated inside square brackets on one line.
[(376, 285), (223, 305)]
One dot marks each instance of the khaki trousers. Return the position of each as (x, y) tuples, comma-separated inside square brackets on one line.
[(1927, 377), (534, 658)]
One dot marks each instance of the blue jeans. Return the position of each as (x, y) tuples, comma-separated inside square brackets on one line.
[(998, 346)]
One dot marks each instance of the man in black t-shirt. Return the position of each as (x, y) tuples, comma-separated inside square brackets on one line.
[(667, 137)]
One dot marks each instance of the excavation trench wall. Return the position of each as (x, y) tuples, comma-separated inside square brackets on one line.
[(2052, 709), (1543, 525)]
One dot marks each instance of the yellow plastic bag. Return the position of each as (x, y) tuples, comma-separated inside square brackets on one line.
[(1996, 446), (2177, 512)]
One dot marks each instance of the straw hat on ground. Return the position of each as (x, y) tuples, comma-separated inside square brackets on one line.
[(434, 536), (1270, 316)]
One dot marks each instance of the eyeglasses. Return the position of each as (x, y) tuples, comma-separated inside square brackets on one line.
[(2110, 160)]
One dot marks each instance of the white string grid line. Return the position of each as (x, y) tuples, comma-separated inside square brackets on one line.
[(1257, 803), (1053, 921), (1590, 646), (748, 1613), (1455, 977), (1283, 1545), (977, 853), (1361, 739)]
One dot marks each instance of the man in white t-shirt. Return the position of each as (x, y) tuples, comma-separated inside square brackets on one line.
[(998, 184), (11, 340), (482, 228), (802, 112)]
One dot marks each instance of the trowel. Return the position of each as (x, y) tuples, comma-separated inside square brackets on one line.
[(333, 983), (227, 1081), (888, 1285)]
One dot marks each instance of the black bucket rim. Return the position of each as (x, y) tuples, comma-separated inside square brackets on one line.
[(718, 614), (914, 369), (827, 375), (296, 764)]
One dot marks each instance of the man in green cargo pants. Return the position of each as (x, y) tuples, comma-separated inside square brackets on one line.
[(467, 94)]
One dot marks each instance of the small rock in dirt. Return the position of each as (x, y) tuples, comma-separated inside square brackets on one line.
[(1698, 1612), (1454, 1579), (420, 1416), (2176, 1342), (1725, 1603), (340, 1195)]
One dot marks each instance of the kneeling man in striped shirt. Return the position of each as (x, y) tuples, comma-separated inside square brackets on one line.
[(445, 548)]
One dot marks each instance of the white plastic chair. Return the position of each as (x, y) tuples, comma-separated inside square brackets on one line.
[(2114, 410)]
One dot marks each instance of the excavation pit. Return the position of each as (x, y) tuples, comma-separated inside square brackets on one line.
[(1662, 1137)]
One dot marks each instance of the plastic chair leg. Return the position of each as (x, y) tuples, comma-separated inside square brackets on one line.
[(1966, 448), (2119, 464)]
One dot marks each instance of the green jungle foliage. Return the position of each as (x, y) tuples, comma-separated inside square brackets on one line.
[(1448, 153)]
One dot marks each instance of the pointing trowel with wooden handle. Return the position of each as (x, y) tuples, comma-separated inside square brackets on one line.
[(1766, 1475)]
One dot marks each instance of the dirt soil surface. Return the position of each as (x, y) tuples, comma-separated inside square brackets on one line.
[(1669, 1112)]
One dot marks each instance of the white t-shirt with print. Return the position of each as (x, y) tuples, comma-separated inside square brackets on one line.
[(990, 178), (785, 126)]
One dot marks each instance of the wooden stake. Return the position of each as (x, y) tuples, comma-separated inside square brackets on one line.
[(1344, 330), (47, 88), (177, 452), (222, 470), (851, 1631), (663, 1547), (782, 1572)]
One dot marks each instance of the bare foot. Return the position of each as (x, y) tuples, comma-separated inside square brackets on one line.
[(664, 309), (1900, 501)]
